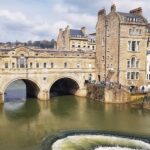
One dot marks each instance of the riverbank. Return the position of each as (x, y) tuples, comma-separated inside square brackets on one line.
[(117, 94)]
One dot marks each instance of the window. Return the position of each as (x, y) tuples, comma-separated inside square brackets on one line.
[(133, 45), (22, 62), (137, 64), (93, 47), (31, 64), (6, 65), (13, 65), (132, 75), (137, 46), (44, 65), (128, 63), (129, 45), (133, 62), (128, 75), (133, 48), (65, 65), (137, 75), (73, 46), (78, 65), (79, 46), (130, 31), (135, 31), (52, 65), (37, 65)]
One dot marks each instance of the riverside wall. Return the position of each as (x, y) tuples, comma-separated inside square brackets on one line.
[(112, 94)]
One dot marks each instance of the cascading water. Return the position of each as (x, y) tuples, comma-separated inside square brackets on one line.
[(98, 142)]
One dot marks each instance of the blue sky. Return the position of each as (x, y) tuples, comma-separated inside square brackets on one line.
[(25, 20)]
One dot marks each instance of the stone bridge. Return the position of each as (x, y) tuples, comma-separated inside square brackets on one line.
[(46, 71)]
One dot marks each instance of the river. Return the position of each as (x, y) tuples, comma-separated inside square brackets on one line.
[(24, 124)]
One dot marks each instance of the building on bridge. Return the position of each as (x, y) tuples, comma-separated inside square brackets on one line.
[(76, 40), (46, 72), (122, 40)]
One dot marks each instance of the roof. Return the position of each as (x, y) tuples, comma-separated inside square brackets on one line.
[(93, 34), (129, 17), (75, 33)]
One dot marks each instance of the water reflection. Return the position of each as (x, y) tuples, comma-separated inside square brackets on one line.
[(18, 109), (16, 91), (24, 124), (58, 108)]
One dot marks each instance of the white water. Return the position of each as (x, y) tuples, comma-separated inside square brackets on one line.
[(113, 148), (89, 141)]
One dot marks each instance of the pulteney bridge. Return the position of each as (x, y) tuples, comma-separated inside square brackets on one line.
[(46, 71)]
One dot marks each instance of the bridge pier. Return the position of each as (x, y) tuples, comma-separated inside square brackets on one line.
[(43, 95), (1, 98), (81, 92)]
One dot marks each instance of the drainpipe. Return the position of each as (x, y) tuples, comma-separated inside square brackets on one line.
[(105, 46), (118, 73)]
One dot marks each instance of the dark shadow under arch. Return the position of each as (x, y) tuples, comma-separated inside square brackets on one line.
[(64, 86), (29, 89)]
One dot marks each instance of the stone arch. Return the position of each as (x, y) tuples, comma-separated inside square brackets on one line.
[(32, 87), (64, 86)]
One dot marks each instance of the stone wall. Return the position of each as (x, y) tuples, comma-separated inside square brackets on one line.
[(116, 95), (111, 94), (95, 92)]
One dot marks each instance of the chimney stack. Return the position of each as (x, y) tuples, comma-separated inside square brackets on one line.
[(137, 11), (113, 8), (84, 31), (102, 12)]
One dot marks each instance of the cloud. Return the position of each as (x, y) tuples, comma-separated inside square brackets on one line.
[(38, 20), (18, 27)]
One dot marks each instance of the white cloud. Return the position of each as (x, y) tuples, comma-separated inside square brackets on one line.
[(17, 26), (42, 19)]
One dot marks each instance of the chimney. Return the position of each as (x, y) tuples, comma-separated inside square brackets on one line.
[(113, 8), (137, 11), (84, 31), (102, 12)]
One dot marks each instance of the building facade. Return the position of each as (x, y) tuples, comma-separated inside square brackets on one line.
[(121, 40), (76, 40)]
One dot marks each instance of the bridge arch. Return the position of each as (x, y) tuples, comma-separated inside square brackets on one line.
[(32, 87), (64, 86)]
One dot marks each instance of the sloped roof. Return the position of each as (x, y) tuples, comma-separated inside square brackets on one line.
[(74, 33), (130, 15)]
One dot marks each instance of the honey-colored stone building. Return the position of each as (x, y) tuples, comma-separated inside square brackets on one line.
[(121, 41), (76, 40)]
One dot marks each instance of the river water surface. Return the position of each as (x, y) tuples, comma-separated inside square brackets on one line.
[(24, 124)]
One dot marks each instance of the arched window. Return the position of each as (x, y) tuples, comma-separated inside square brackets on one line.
[(22, 62), (133, 62)]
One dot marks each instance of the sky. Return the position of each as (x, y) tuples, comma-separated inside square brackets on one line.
[(25, 20)]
